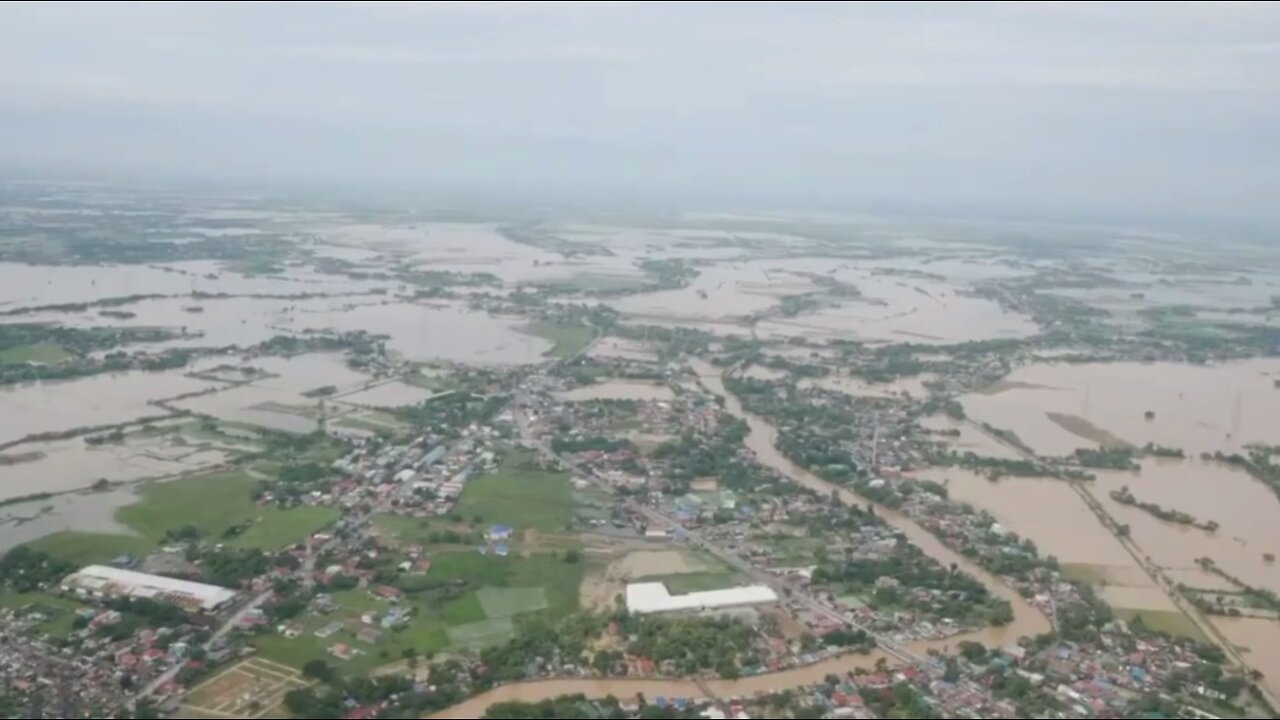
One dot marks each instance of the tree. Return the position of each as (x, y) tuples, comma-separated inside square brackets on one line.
[(318, 670)]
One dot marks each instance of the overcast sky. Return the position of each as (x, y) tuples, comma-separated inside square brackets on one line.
[(1149, 107)]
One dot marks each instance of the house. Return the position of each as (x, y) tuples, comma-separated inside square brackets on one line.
[(369, 636), (501, 550), (501, 533), (386, 592), (342, 651)]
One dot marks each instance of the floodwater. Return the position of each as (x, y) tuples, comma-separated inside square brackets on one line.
[(1028, 621), (278, 402), (971, 439), (91, 512), (728, 292), (73, 464), (443, 331), (1259, 642), (853, 385), (620, 390), (1248, 511), (32, 285), (1049, 512), (388, 394), (1197, 408), (41, 407), (219, 323)]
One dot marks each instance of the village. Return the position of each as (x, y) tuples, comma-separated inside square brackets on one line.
[(454, 542)]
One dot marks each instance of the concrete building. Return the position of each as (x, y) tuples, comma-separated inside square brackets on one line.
[(650, 598), (101, 582)]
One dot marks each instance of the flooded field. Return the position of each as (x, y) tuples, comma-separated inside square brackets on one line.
[(1246, 509), (31, 408), (970, 439), (448, 332), (1259, 641), (35, 285), (280, 401), (853, 385), (1050, 513), (725, 292), (73, 464), (92, 512), (1056, 408), (622, 349), (620, 390), (388, 394)]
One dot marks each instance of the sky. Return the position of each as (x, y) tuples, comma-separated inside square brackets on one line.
[(1142, 108)]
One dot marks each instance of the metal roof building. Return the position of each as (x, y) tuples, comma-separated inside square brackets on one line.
[(100, 581), (649, 598)]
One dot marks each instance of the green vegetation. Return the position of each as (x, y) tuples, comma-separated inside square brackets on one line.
[(39, 353), (59, 613), (164, 512), (519, 495), (1169, 622), (1124, 496), (320, 392), (567, 340)]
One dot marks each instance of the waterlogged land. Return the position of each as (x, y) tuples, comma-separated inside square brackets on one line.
[(1013, 355)]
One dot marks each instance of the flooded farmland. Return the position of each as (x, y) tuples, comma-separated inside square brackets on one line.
[(1247, 510), (1259, 641), (1056, 408), (42, 407)]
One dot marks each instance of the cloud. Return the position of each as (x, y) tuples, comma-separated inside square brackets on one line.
[(895, 98)]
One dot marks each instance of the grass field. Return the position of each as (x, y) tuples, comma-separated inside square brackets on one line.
[(223, 500), (42, 353), (485, 632), (83, 548), (509, 602), (60, 612), (519, 498), (567, 340), (1165, 621)]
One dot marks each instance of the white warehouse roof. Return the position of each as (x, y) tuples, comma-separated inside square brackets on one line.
[(114, 582), (647, 598)]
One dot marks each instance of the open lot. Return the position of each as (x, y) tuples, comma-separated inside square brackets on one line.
[(519, 497), (251, 689), (33, 353), (567, 340)]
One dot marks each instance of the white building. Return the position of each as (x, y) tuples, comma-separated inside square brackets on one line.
[(649, 598), (101, 582)]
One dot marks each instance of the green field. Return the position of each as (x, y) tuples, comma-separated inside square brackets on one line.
[(1171, 622), (519, 498), (567, 340), (511, 586), (60, 612), (509, 602), (212, 503), (485, 632), (42, 353)]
